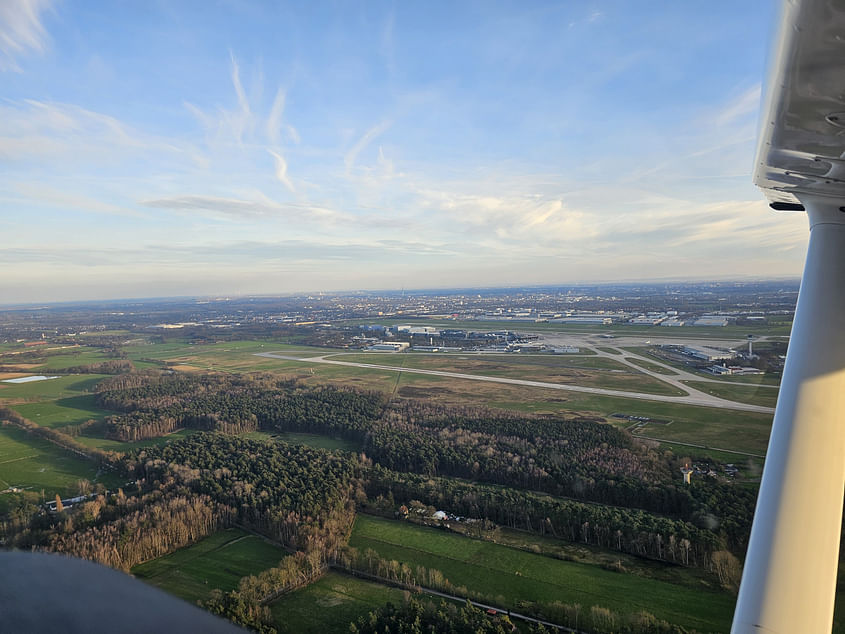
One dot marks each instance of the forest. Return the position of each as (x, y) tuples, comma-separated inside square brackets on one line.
[(574, 457), (571, 478)]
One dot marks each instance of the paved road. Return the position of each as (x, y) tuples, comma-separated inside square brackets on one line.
[(693, 398)]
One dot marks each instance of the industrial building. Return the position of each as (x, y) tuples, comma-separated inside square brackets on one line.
[(733, 370), (651, 319), (707, 354), (565, 350), (603, 321), (384, 346), (711, 320)]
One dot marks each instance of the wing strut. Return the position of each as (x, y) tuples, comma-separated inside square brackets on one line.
[(789, 580)]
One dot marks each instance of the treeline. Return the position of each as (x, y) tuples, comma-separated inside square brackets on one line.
[(146, 533), (157, 405), (121, 366), (576, 458), (418, 617), (632, 531), (58, 437), (300, 496), (247, 605), (293, 494)]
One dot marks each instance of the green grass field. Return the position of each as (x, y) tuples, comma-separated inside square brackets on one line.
[(72, 410), (586, 371), (64, 386), (608, 350), (216, 562), (35, 464), (763, 395), (755, 379), (80, 356), (653, 367), (494, 361), (235, 356), (510, 575), (330, 604)]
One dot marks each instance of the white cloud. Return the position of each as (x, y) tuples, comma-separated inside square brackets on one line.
[(746, 103), (282, 170), (56, 131), (274, 121), (243, 117), (39, 193), (257, 208), (275, 124), (373, 133), (21, 30)]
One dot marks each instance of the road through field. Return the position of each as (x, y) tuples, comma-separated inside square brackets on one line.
[(693, 398)]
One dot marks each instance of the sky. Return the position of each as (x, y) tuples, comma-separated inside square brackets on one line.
[(233, 147)]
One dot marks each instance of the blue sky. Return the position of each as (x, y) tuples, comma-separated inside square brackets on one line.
[(191, 148)]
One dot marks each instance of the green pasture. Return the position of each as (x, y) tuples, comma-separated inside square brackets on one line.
[(64, 386), (34, 464), (68, 359), (330, 604), (508, 575), (216, 562), (71, 410)]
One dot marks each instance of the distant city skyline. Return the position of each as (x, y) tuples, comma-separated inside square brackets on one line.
[(196, 149)]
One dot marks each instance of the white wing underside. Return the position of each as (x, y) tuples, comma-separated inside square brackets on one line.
[(801, 147)]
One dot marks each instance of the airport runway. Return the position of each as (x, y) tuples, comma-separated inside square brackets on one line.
[(694, 398)]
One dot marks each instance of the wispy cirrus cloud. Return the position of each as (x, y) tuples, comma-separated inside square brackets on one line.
[(276, 125), (368, 137), (282, 170), (256, 208), (51, 131), (21, 30), (744, 104)]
